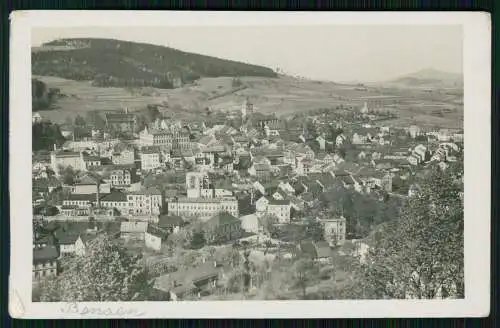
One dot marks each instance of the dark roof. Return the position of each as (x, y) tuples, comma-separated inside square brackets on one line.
[(222, 218), (115, 196), (66, 238), (44, 254), (308, 248), (322, 249), (273, 201), (157, 232), (186, 277), (347, 179), (87, 197), (167, 221), (119, 117)]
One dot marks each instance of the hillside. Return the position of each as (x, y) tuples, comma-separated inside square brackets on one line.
[(114, 63), (42, 97)]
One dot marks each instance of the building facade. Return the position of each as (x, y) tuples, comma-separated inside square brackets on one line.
[(203, 207), (145, 202), (164, 139), (150, 159), (334, 230)]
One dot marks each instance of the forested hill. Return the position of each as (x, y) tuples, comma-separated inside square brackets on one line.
[(108, 62)]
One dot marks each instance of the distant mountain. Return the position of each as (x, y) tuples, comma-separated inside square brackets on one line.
[(109, 62), (429, 77)]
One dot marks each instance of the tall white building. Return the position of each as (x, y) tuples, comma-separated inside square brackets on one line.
[(66, 159), (195, 182), (334, 230), (145, 202), (150, 159), (246, 109)]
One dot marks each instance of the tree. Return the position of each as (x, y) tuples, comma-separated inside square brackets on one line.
[(80, 121), (314, 230), (198, 240), (422, 254), (268, 223), (96, 119), (106, 274), (305, 272), (68, 174)]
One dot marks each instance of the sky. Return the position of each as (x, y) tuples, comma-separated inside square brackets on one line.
[(335, 52)]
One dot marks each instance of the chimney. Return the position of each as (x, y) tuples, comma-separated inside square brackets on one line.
[(98, 185)]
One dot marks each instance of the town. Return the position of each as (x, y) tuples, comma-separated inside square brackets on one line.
[(229, 205)]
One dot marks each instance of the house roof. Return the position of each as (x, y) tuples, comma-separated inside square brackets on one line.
[(134, 226), (150, 150), (323, 249), (273, 201), (205, 140), (347, 179), (147, 191), (316, 249), (167, 221), (115, 196), (66, 238), (262, 167), (155, 231), (222, 218), (83, 197), (119, 117), (186, 277), (44, 254)]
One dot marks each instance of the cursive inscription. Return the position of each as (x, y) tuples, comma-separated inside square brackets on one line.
[(75, 308)]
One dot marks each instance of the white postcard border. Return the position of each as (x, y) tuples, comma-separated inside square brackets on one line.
[(477, 118)]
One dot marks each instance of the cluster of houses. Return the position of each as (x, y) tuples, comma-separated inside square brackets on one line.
[(233, 178)]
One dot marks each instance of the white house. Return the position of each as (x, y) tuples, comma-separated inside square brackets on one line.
[(261, 204), (322, 142), (259, 187), (334, 230), (280, 208), (250, 223), (340, 139), (286, 187), (134, 230), (153, 238), (150, 159)]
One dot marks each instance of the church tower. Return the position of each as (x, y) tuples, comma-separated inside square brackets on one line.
[(364, 110), (246, 109)]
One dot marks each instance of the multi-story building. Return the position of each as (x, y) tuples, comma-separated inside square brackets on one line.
[(88, 185), (150, 159), (281, 209), (67, 159), (116, 200), (123, 155), (276, 207), (145, 202), (203, 207), (195, 182), (121, 122), (121, 177), (45, 262), (164, 139)]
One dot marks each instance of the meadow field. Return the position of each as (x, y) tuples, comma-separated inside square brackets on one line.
[(282, 96)]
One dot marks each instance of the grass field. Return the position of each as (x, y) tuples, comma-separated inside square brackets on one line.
[(283, 95)]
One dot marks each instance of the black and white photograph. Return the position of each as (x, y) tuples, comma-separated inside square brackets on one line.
[(252, 162)]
